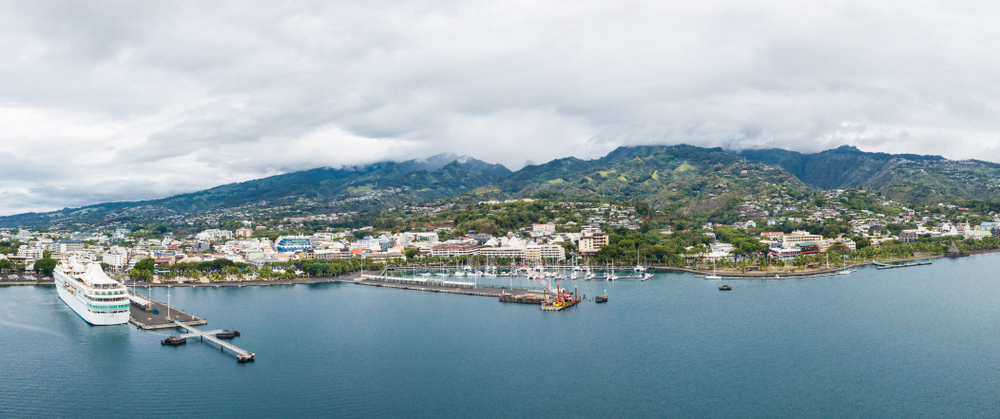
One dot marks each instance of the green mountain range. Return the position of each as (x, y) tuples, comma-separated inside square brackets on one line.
[(688, 180), (385, 183), (904, 177)]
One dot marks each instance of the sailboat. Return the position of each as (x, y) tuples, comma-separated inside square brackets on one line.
[(638, 267), (713, 275), (845, 271), (611, 276)]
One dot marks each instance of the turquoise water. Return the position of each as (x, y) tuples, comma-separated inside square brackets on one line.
[(902, 343)]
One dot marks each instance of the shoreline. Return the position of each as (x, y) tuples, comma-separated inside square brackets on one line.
[(785, 275), (819, 272), (324, 280), (351, 278)]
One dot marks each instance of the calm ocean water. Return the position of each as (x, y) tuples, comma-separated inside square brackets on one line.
[(902, 343)]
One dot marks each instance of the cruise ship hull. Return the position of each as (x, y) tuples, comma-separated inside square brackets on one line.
[(97, 319)]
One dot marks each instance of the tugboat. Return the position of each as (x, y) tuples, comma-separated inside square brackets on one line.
[(227, 334), (725, 288), (602, 298), (173, 341)]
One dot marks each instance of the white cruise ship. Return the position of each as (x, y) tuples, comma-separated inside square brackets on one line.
[(86, 289)]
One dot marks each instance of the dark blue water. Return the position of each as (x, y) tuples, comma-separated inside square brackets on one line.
[(903, 343)]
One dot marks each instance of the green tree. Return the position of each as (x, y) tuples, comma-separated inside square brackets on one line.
[(411, 253), (140, 275), (45, 266), (146, 264)]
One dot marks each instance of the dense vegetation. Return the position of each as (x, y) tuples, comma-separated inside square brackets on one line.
[(685, 184), (903, 177)]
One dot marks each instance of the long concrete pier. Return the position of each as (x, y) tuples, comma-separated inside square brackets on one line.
[(450, 287), (142, 315)]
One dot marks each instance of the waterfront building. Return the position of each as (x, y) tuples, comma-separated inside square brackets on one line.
[(541, 252), (455, 249), (800, 236), (783, 253), (503, 252), (808, 248), (291, 244)]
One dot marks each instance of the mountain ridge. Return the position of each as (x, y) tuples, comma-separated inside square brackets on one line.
[(684, 178)]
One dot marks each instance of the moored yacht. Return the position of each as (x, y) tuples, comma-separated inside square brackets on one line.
[(93, 295)]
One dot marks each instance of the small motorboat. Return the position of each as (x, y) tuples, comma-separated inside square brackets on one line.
[(227, 334), (725, 288), (173, 341)]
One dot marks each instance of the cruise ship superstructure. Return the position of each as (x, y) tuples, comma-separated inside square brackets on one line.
[(93, 295)]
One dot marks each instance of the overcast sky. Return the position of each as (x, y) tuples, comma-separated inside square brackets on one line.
[(103, 101)]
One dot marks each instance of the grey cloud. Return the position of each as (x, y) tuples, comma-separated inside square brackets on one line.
[(188, 95)]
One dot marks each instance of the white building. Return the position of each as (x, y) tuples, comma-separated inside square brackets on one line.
[(542, 252), (455, 249), (503, 252), (117, 258), (800, 236), (32, 253), (592, 242)]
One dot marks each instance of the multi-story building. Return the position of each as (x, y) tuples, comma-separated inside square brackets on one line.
[(455, 249), (66, 246), (503, 252), (291, 244), (30, 252), (800, 236), (591, 242), (541, 252), (116, 258)]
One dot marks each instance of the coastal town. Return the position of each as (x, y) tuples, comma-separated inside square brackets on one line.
[(771, 231)]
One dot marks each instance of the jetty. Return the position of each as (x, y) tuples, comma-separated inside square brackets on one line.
[(880, 265), (241, 354), (436, 285)]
